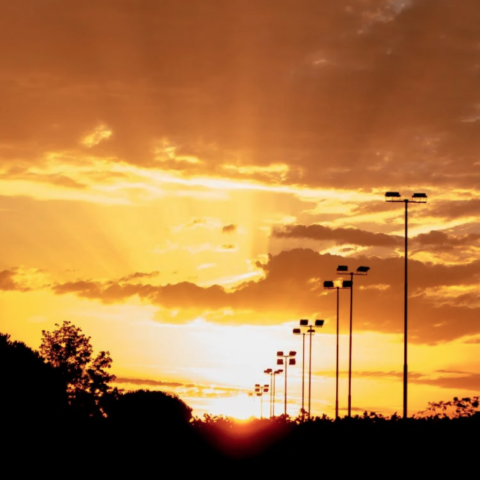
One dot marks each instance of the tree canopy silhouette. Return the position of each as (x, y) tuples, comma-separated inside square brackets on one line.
[(31, 389), (86, 376), (149, 407)]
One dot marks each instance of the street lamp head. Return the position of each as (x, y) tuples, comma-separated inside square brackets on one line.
[(319, 323), (279, 354), (392, 196), (328, 284), (292, 353), (347, 284), (268, 370), (278, 371), (342, 268), (420, 197), (292, 361), (279, 361), (303, 322), (296, 331), (363, 270)]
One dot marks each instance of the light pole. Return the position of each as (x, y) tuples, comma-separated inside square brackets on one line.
[(343, 270), (270, 372), (310, 331), (297, 331), (282, 360), (276, 372), (395, 197), (329, 285), (259, 391)]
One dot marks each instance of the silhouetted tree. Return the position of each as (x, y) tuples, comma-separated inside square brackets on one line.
[(147, 407), (70, 351), (456, 408), (31, 389)]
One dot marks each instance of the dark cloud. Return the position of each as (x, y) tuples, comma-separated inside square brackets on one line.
[(435, 240), (138, 276), (186, 389), (400, 85), (292, 288), (151, 383), (227, 247), (231, 228), (353, 236), (440, 238), (453, 380), (8, 281)]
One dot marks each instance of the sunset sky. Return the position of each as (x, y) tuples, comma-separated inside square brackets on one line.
[(178, 178)]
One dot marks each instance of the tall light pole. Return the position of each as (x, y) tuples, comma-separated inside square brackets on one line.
[(282, 360), (310, 331), (395, 197), (343, 270), (270, 372), (297, 331), (329, 285), (259, 391), (276, 372)]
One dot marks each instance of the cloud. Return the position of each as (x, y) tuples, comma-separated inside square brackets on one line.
[(341, 236), (452, 380), (8, 281), (401, 98), (151, 383), (186, 390), (139, 275), (292, 288), (230, 228)]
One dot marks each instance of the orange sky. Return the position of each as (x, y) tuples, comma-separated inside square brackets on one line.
[(179, 178)]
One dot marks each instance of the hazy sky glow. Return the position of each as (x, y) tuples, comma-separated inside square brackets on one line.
[(178, 178)]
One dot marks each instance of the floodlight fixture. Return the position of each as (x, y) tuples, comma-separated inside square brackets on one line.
[(267, 371), (328, 284), (304, 322), (296, 331), (392, 196), (347, 284), (419, 198), (278, 371), (342, 268), (319, 323), (283, 361), (363, 269)]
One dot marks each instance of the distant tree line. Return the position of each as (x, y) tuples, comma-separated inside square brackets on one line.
[(58, 407)]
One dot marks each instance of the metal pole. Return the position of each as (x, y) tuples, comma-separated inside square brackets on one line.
[(350, 352), (303, 375), (273, 396), (405, 362), (285, 401), (336, 381), (310, 372)]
